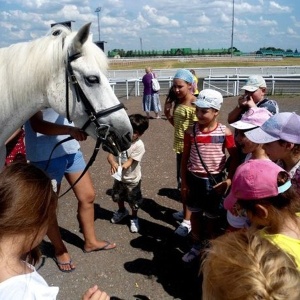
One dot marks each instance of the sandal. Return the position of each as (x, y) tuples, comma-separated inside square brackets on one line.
[(60, 265), (107, 246)]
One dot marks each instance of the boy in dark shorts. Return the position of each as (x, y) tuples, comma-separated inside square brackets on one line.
[(126, 169), (202, 170)]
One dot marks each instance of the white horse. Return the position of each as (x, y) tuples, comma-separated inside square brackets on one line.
[(66, 71)]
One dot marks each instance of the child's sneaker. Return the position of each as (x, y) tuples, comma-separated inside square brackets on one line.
[(178, 215), (184, 229), (118, 216), (134, 225), (191, 255)]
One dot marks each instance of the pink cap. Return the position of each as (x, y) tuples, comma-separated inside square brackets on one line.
[(253, 180), (254, 117)]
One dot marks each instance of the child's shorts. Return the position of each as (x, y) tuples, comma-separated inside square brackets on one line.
[(201, 195), (128, 192)]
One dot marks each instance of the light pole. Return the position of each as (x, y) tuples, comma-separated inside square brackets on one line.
[(141, 43), (98, 9), (232, 28)]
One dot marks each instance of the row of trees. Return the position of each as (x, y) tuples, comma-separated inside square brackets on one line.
[(278, 49), (265, 51), (171, 52)]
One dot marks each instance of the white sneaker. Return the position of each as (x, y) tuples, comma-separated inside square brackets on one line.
[(134, 225), (191, 255), (118, 216), (183, 229), (178, 215)]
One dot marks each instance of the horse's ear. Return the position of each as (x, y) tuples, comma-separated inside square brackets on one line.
[(81, 37)]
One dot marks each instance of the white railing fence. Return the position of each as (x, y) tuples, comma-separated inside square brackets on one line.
[(280, 79)]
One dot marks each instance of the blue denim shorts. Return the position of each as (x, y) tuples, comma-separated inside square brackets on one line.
[(57, 167)]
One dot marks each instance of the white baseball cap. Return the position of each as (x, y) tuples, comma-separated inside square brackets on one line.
[(253, 83), (209, 98)]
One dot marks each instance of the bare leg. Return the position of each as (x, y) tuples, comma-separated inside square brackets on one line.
[(61, 253), (186, 212), (85, 194)]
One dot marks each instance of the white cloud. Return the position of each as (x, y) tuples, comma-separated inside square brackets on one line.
[(203, 20), (275, 32), (153, 15), (295, 21), (275, 7), (161, 24), (291, 31), (262, 22)]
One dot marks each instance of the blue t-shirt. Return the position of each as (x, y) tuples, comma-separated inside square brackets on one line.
[(40, 146)]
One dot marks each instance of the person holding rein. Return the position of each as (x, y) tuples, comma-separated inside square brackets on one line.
[(42, 132)]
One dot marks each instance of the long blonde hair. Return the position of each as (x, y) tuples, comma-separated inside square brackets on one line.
[(242, 266)]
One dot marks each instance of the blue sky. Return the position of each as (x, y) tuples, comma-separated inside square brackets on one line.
[(160, 24)]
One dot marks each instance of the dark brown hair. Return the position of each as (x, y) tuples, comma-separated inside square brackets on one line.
[(27, 202), (139, 123)]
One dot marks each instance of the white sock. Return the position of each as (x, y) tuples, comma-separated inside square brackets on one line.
[(187, 222)]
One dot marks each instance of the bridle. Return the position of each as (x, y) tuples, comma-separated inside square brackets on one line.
[(101, 130)]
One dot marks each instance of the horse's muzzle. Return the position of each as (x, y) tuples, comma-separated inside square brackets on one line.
[(115, 142)]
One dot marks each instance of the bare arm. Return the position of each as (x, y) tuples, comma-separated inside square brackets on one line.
[(38, 124), (113, 164), (243, 105), (128, 163), (223, 186), (184, 162), (167, 111)]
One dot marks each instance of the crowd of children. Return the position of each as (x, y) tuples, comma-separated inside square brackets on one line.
[(258, 191)]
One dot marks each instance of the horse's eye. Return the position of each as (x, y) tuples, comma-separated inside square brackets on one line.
[(92, 79)]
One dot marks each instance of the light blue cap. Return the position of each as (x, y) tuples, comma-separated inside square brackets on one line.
[(185, 75)]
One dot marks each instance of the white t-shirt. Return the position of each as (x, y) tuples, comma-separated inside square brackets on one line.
[(30, 286), (136, 151)]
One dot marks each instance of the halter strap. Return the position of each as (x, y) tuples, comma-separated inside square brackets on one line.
[(102, 130)]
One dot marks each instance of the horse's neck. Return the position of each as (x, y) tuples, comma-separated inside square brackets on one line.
[(13, 117)]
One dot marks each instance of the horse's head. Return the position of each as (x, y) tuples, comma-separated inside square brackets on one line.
[(89, 99)]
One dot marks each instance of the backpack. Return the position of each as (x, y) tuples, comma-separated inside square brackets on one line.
[(155, 84)]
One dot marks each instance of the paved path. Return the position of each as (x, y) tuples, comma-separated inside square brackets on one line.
[(146, 265)]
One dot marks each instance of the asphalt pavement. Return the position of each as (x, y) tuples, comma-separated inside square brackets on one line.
[(144, 265)]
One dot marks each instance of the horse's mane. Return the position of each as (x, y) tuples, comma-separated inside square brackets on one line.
[(27, 68)]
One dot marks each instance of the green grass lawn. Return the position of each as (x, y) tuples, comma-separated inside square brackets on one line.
[(185, 62)]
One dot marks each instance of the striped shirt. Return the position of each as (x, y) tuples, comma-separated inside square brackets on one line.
[(184, 117), (212, 147)]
